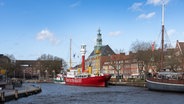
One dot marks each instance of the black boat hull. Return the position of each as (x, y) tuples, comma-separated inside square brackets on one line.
[(160, 86)]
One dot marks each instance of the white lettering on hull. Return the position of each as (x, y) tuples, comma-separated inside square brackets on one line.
[(74, 80)]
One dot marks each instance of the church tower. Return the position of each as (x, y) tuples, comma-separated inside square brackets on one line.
[(98, 42)]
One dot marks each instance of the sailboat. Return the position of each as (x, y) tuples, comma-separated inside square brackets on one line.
[(165, 80), (85, 77)]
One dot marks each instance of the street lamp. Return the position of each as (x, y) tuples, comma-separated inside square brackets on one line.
[(24, 74), (46, 74), (38, 72), (53, 71)]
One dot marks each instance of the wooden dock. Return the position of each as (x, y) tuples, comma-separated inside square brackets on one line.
[(7, 95)]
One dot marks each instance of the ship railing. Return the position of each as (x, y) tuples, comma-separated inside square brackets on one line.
[(173, 81)]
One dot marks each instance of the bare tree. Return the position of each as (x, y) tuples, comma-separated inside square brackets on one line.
[(144, 54), (150, 57), (118, 51), (143, 51), (140, 46), (49, 63), (10, 66), (115, 62), (172, 61)]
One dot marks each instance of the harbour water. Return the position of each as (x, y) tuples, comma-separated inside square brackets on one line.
[(64, 94)]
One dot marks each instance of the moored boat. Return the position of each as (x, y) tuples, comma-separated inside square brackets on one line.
[(165, 79), (59, 79), (86, 78)]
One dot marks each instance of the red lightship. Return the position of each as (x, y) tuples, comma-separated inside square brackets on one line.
[(74, 77)]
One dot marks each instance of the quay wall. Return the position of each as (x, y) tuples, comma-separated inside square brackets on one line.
[(7, 95), (136, 84)]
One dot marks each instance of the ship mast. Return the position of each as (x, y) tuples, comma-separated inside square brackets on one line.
[(162, 41), (70, 53)]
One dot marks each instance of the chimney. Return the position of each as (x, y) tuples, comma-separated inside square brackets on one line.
[(123, 53), (130, 52)]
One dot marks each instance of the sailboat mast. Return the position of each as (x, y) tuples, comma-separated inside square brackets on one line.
[(162, 41), (70, 53)]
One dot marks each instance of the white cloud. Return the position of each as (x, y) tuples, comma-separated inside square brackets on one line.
[(146, 16), (47, 35), (171, 32), (157, 2), (136, 6), (44, 34), (115, 33)]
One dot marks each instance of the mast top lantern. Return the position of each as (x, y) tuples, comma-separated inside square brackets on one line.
[(83, 49)]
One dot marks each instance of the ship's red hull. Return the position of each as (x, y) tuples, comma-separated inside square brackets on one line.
[(96, 81)]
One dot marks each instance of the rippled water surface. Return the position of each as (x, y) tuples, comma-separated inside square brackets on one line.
[(64, 94)]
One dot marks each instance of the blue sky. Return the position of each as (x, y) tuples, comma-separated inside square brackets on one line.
[(30, 28)]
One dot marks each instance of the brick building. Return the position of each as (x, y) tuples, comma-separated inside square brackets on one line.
[(41, 69), (179, 49), (103, 59), (126, 65)]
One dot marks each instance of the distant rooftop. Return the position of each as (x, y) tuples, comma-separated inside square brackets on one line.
[(104, 51)]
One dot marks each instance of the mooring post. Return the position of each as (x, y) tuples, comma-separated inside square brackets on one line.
[(26, 92), (2, 96), (16, 94)]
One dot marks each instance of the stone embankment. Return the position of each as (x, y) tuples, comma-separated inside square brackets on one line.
[(136, 84), (18, 92)]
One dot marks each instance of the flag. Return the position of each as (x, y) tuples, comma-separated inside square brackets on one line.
[(73, 55)]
